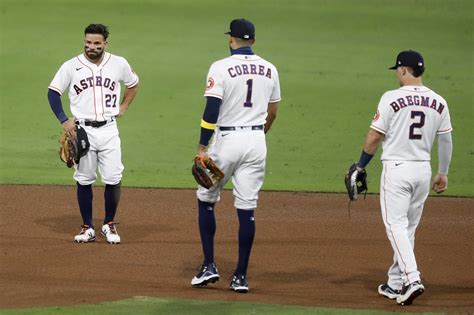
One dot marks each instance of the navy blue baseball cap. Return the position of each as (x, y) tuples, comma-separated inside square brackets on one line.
[(408, 58), (242, 28)]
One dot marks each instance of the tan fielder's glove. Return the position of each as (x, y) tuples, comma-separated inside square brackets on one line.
[(71, 149), (206, 172)]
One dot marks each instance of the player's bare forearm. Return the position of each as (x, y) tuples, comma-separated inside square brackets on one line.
[(268, 124), (128, 97), (271, 115), (372, 141)]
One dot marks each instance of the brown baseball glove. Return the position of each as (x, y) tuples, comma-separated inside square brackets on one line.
[(71, 149), (206, 172)]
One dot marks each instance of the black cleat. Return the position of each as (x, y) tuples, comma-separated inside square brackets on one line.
[(410, 292), (239, 284), (207, 274)]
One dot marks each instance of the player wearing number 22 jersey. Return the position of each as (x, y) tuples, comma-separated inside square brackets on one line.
[(408, 120), (242, 94)]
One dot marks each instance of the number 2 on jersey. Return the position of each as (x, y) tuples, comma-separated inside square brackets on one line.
[(248, 99), (416, 125), (110, 100)]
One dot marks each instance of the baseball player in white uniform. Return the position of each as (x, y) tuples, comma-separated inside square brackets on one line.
[(92, 81), (407, 120), (242, 94)]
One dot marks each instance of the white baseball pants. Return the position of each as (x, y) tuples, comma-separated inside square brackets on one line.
[(104, 153), (240, 154), (404, 187)]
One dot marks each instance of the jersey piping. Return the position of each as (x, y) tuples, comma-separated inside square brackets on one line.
[(55, 89), (133, 84), (378, 129), (93, 86)]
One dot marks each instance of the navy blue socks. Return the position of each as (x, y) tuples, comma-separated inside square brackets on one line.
[(207, 229), (84, 198), (112, 198), (246, 236)]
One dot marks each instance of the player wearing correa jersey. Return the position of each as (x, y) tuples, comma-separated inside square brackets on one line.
[(408, 120), (242, 93), (92, 81)]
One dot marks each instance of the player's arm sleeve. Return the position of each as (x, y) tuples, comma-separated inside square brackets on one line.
[(61, 80), (215, 83), (276, 93), (445, 149), (383, 116), (209, 119), (129, 77), (54, 99)]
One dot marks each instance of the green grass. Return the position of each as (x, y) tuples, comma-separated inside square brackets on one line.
[(148, 305), (332, 57)]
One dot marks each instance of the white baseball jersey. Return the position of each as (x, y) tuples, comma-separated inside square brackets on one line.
[(245, 80), (246, 84), (410, 117), (94, 90)]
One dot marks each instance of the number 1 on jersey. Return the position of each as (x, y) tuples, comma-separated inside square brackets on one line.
[(248, 102)]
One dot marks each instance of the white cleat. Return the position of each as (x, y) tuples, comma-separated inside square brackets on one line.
[(86, 235), (109, 230), (386, 291)]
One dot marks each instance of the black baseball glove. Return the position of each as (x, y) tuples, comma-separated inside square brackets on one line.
[(73, 148), (356, 182)]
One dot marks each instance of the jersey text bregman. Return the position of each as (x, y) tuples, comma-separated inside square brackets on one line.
[(410, 100)]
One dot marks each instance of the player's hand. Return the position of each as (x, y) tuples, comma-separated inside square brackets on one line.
[(70, 127), (440, 183), (202, 152), (122, 110)]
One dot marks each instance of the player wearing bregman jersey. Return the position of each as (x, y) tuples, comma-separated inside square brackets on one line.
[(92, 81), (243, 92), (407, 120)]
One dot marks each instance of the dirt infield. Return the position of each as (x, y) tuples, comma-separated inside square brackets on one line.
[(307, 250)]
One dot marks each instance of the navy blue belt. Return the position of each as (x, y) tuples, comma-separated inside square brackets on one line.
[(258, 127)]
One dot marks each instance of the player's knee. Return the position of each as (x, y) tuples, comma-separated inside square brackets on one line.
[(112, 179), (208, 196), (112, 176), (85, 179), (245, 203)]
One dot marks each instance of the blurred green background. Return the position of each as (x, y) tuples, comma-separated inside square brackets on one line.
[(332, 57)]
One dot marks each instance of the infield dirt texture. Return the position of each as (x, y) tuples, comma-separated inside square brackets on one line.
[(332, 57), (307, 251)]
